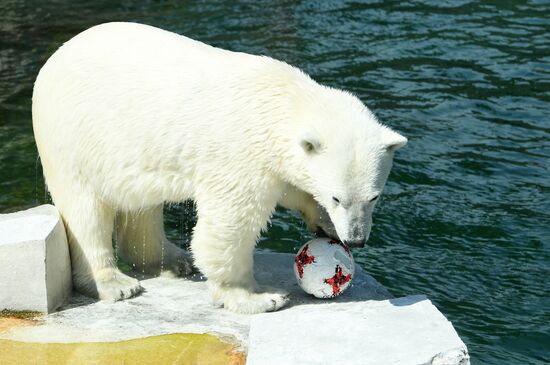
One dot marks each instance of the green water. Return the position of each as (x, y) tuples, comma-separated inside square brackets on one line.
[(466, 213)]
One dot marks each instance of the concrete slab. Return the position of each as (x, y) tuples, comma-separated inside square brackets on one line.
[(35, 272), (364, 325), (406, 331), (171, 305)]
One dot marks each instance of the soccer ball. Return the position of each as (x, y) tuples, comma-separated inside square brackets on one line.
[(324, 267)]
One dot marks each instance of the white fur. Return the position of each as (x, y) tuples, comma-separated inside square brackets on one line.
[(127, 117)]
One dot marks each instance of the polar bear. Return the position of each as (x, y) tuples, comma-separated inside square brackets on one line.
[(127, 117)]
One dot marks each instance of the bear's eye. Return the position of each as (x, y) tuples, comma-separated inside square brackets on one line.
[(336, 200), (373, 199)]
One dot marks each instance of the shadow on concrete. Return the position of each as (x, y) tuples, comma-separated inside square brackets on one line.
[(275, 270), (405, 301)]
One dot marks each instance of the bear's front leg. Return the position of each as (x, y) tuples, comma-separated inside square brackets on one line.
[(89, 225), (223, 251)]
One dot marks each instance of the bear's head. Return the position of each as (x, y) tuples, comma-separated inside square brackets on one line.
[(344, 157)]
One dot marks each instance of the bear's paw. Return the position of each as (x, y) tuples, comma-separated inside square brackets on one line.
[(243, 301), (178, 262), (112, 285)]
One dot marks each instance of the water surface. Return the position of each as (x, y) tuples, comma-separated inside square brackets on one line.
[(465, 215)]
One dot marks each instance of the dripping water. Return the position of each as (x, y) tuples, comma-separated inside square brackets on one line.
[(143, 254), (115, 239), (162, 246), (183, 208)]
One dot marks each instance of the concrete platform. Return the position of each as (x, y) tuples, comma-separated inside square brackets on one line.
[(365, 325), (173, 305), (407, 330)]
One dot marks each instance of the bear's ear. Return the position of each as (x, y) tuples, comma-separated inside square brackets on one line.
[(310, 143), (394, 141)]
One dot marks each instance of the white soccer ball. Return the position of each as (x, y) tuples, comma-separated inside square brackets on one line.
[(324, 267)]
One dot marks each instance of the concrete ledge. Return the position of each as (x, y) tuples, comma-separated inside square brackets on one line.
[(35, 273), (364, 325)]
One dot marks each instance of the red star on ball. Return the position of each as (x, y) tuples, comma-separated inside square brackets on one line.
[(337, 280), (303, 259)]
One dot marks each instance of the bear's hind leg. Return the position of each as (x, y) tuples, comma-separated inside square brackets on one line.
[(223, 251), (142, 243), (89, 225)]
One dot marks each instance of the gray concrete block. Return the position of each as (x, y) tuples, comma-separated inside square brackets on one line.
[(406, 331), (35, 270)]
